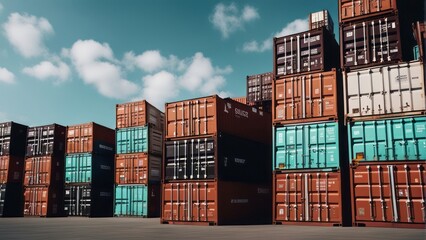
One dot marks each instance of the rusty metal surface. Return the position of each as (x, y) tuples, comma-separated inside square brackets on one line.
[(350, 10), (44, 170), (11, 169), (44, 201), (90, 137), (137, 168), (141, 113)]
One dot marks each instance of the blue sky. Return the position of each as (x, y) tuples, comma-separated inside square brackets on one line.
[(71, 61)]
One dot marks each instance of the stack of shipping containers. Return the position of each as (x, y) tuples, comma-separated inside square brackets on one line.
[(310, 175), (216, 163), (44, 171), (89, 170), (259, 91), (384, 89), (139, 148), (12, 155)]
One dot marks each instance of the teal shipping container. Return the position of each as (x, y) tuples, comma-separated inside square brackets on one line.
[(307, 146), (139, 139), (416, 52), (137, 200), (89, 168), (388, 140)]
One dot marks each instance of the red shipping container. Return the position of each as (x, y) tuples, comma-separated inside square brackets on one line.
[(350, 10), (311, 198), (139, 113), (11, 169), (307, 97), (210, 115), (389, 194), (44, 171), (44, 201), (138, 168), (215, 203), (90, 137)]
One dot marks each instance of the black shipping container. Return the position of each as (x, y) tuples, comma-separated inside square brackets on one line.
[(372, 42), (46, 140), (13, 137), (313, 50), (259, 87), (223, 157), (85, 200), (11, 200)]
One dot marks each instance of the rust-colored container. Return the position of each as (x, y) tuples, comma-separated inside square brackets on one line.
[(352, 10), (137, 168), (141, 113), (210, 115), (44, 170), (215, 203), (44, 201), (310, 51), (13, 139), (11, 169), (371, 42), (308, 97), (242, 100), (388, 194), (259, 87), (46, 140), (311, 198), (90, 137)]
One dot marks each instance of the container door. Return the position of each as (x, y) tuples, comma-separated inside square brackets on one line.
[(122, 200)]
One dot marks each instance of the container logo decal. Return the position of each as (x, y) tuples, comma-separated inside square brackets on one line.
[(242, 113), (227, 106), (240, 160), (238, 201)]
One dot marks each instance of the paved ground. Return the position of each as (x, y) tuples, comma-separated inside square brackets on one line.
[(136, 228)]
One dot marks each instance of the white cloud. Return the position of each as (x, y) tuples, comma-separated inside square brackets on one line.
[(26, 33), (159, 88), (201, 75), (228, 19), (96, 65), (1, 7), (47, 70), (6, 76), (148, 61), (298, 25)]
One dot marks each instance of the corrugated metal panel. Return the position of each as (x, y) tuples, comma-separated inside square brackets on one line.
[(139, 139), (389, 194), (13, 137), (386, 140), (140, 168), (391, 89), (11, 200), (259, 87), (321, 19), (90, 137), (44, 201), (310, 198), (46, 140), (88, 200), (89, 168), (136, 114), (308, 146), (137, 200), (357, 9), (11, 169), (44, 171)]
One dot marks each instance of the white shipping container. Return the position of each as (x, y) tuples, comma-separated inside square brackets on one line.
[(321, 19), (381, 90)]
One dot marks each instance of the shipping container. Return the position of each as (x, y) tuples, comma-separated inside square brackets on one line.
[(45, 170), (90, 137), (308, 146), (11, 169), (310, 51), (377, 92), (419, 32), (139, 139), (242, 100), (89, 168), (44, 201), (138, 168), (321, 19), (137, 200), (216, 203), (88, 200), (371, 42), (13, 139), (136, 114), (388, 140), (46, 140), (352, 10), (307, 98), (389, 194), (210, 115), (259, 87), (221, 157), (11, 200), (311, 198)]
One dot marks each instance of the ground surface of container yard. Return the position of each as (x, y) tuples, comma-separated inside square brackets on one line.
[(138, 228)]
